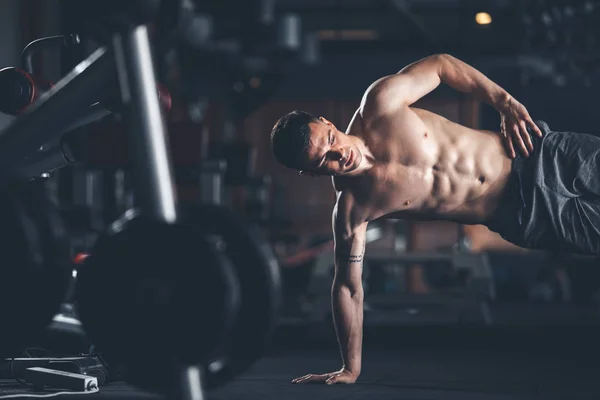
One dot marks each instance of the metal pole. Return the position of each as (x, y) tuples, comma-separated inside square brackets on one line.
[(93, 113), (152, 164), (45, 43), (42, 163), (190, 387), (53, 156), (44, 122)]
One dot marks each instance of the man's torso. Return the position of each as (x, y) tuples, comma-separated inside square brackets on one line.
[(426, 167)]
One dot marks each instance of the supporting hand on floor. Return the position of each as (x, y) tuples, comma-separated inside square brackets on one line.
[(341, 376)]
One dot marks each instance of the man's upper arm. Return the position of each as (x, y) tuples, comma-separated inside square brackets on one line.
[(392, 92), (350, 241)]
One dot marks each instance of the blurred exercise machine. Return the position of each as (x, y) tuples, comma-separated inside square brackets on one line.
[(461, 287), (464, 299), (183, 299)]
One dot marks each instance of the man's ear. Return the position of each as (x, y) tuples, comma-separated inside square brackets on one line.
[(326, 121)]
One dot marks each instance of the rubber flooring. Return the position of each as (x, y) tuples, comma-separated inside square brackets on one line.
[(419, 365)]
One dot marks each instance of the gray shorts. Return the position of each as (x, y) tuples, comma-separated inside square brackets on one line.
[(553, 197)]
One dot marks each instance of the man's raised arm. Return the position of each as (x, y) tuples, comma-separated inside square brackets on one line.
[(421, 77), (390, 93), (346, 298)]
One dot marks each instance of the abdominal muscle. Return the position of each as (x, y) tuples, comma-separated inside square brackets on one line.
[(459, 175)]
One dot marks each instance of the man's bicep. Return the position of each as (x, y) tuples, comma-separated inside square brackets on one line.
[(420, 77), (404, 88)]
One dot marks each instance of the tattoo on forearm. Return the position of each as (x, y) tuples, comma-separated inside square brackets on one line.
[(356, 258)]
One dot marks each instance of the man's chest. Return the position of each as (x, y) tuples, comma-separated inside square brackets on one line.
[(392, 189)]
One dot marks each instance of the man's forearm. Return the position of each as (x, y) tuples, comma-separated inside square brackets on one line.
[(347, 304), (465, 78)]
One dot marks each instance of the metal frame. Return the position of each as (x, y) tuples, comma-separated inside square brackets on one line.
[(40, 44), (33, 144), (34, 135), (152, 164)]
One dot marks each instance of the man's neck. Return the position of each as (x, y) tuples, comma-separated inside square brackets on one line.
[(368, 159)]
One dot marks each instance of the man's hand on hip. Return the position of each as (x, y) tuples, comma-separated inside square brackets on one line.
[(514, 121), (341, 376)]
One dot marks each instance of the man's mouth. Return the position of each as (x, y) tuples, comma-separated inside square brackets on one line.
[(350, 159)]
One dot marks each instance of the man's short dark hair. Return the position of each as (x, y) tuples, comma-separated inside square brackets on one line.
[(290, 138)]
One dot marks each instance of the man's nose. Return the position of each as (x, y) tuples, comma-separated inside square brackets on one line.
[(340, 154)]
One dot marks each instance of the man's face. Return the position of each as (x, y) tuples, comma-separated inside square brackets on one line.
[(330, 152)]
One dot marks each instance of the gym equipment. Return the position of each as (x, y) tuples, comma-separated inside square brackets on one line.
[(467, 302), (88, 365), (224, 296), (157, 297), (257, 197), (260, 283), (44, 121), (237, 53), (20, 90), (211, 181), (45, 43), (34, 275), (473, 267), (143, 322), (40, 377)]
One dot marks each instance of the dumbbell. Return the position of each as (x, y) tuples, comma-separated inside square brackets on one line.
[(156, 298), (34, 272)]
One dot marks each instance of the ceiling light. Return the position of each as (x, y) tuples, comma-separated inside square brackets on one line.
[(483, 18)]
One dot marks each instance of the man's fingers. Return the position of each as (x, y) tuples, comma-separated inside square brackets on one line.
[(302, 378), (526, 136), (296, 380), (504, 131), (510, 146), (311, 378), (519, 140), (535, 128), (330, 379)]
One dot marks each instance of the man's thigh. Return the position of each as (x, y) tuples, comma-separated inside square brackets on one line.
[(571, 164), (579, 226)]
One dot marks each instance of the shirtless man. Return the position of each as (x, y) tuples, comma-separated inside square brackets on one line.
[(535, 187)]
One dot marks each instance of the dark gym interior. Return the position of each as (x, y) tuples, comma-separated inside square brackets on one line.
[(93, 300)]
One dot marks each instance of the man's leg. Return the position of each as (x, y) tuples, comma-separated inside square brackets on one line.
[(551, 199), (566, 189), (575, 157)]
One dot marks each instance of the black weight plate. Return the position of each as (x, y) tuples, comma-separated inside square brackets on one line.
[(154, 297), (260, 283), (33, 273)]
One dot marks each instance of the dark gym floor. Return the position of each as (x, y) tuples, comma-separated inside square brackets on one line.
[(541, 364)]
